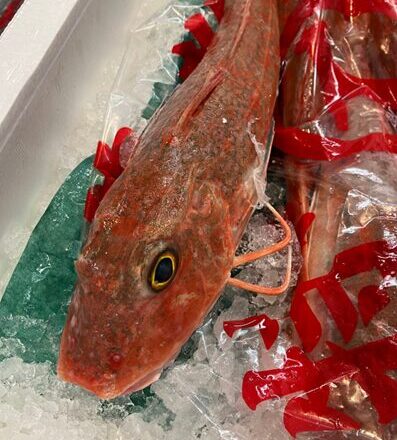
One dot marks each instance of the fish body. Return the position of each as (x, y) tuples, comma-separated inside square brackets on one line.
[(188, 191)]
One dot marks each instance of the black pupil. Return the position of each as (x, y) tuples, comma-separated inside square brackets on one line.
[(163, 271)]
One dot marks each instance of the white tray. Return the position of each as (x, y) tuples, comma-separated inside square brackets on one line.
[(55, 57)]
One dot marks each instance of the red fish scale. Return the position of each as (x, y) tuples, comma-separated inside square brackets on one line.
[(107, 160), (188, 186)]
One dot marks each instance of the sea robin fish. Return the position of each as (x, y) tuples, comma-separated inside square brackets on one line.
[(163, 241)]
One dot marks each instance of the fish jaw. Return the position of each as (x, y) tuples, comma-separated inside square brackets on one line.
[(159, 347), (105, 387), (113, 346), (79, 360), (93, 364)]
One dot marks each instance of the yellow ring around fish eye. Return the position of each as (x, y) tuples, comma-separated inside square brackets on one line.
[(163, 271)]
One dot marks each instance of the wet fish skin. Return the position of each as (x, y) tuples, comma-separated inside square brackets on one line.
[(189, 187)]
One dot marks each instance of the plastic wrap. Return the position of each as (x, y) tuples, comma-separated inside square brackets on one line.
[(315, 363), (199, 395), (336, 122)]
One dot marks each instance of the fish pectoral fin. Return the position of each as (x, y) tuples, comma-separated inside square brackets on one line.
[(261, 253), (202, 96)]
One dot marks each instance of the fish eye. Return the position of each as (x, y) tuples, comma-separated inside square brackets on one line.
[(163, 271)]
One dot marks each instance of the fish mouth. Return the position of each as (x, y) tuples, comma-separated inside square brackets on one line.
[(150, 378), (106, 388), (101, 387), (143, 383), (105, 385)]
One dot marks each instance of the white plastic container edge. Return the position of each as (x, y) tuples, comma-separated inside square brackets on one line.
[(56, 56)]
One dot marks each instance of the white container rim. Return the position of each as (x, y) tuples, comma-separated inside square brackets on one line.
[(29, 46)]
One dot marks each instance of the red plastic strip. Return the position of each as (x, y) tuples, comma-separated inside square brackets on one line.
[(217, 6), (268, 328), (8, 14), (294, 23), (367, 364), (104, 160), (383, 88), (200, 29), (339, 304), (311, 414), (120, 138), (303, 227), (191, 55), (94, 197), (379, 255), (107, 162), (300, 374), (305, 145), (371, 300)]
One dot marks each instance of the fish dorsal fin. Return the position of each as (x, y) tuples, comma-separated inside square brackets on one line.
[(201, 97), (261, 253), (242, 28)]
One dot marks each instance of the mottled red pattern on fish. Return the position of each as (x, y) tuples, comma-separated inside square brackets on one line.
[(189, 187)]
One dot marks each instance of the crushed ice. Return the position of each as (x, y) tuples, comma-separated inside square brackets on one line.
[(200, 395)]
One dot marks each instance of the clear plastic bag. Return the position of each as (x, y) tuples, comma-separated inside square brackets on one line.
[(336, 122), (179, 37), (318, 361)]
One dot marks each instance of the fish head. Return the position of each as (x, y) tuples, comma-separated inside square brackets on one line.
[(147, 277)]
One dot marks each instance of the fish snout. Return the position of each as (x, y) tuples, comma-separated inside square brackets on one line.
[(87, 368), (90, 354)]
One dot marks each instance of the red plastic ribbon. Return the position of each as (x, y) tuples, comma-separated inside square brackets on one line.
[(107, 162), (198, 26), (217, 6), (337, 84), (8, 14), (303, 227), (268, 328), (378, 255), (368, 365)]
